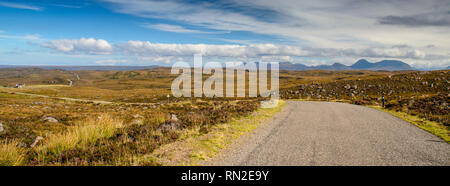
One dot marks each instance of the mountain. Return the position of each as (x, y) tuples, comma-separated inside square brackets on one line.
[(362, 64), (292, 66), (390, 65)]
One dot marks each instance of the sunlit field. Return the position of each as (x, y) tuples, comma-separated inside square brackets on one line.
[(123, 117)]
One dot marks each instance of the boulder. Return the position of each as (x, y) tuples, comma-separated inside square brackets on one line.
[(169, 125), (137, 122), (49, 119), (173, 117)]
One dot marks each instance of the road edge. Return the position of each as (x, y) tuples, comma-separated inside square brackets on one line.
[(195, 148), (424, 124)]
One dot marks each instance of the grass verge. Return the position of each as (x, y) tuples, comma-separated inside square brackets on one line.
[(194, 146), (433, 127)]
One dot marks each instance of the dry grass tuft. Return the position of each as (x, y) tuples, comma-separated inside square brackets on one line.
[(79, 136), (11, 154)]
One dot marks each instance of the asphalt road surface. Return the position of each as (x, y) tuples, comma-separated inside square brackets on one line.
[(321, 133)]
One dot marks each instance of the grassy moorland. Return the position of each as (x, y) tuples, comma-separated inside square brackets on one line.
[(124, 117), (39, 126)]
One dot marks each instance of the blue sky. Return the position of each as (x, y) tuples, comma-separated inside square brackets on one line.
[(148, 32)]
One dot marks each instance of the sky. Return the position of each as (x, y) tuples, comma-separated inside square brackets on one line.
[(155, 32)]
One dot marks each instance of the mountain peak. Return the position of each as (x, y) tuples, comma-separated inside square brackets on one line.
[(362, 61)]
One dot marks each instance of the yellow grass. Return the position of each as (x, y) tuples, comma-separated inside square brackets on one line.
[(80, 135), (11, 154)]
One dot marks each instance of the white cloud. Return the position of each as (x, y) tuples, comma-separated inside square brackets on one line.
[(323, 28), (159, 59), (144, 52), (177, 29), (281, 52), (20, 6), (23, 37), (141, 48), (79, 46)]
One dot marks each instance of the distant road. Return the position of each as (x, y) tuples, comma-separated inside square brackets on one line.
[(60, 98), (321, 133)]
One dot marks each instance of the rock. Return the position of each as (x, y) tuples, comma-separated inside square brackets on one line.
[(36, 141), (347, 86), (173, 117), (354, 86), (169, 125), (49, 119), (137, 122), (137, 116), (1, 127)]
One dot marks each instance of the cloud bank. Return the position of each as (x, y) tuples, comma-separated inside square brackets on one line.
[(320, 28), (173, 51), (79, 46)]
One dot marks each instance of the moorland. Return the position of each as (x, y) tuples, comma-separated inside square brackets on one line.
[(87, 117)]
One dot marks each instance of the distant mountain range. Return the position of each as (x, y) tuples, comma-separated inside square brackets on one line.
[(362, 64)]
